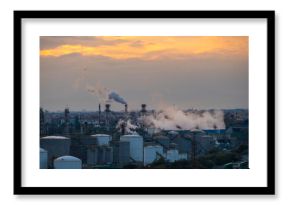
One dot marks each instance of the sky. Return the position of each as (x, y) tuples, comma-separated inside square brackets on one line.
[(200, 72)]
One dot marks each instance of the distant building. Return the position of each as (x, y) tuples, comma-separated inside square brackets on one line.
[(215, 132), (238, 135), (184, 144), (42, 123), (164, 141)]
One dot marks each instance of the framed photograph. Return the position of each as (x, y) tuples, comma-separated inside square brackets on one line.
[(144, 102)]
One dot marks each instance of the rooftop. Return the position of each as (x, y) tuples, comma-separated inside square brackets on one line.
[(54, 137), (67, 158)]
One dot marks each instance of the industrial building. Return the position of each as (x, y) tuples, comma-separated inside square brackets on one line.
[(110, 139), (184, 144)]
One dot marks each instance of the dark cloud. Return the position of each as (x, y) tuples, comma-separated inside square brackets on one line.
[(49, 42)]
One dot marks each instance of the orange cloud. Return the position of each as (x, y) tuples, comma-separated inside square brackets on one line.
[(156, 47)]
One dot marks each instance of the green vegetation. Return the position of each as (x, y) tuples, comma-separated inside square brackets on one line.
[(217, 158), (214, 159)]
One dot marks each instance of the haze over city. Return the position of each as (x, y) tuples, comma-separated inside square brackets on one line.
[(188, 72)]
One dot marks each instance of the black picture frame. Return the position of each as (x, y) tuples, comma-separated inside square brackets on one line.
[(268, 190)]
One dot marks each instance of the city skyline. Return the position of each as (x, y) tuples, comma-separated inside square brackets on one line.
[(188, 72)]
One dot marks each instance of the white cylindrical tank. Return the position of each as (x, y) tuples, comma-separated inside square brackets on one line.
[(136, 146), (102, 139), (151, 153), (172, 155), (56, 146), (43, 158), (67, 162)]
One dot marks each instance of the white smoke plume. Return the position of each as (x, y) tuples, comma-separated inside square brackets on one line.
[(117, 98), (129, 127), (104, 94), (172, 118)]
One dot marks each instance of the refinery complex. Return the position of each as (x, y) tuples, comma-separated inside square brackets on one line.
[(143, 138)]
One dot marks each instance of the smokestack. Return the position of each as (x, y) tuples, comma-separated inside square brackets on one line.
[(66, 118), (108, 108), (42, 122), (66, 113), (126, 108), (123, 127), (99, 114), (143, 108)]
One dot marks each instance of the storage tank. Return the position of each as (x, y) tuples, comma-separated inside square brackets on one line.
[(56, 146), (108, 155), (92, 156), (121, 153), (102, 139), (105, 155), (67, 162), (136, 146), (100, 155), (172, 155), (151, 153), (43, 158)]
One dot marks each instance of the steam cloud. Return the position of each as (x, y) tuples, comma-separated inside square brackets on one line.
[(169, 118), (129, 127), (172, 118), (104, 94)]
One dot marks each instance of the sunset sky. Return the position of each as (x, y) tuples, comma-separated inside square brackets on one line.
[(186, 71)]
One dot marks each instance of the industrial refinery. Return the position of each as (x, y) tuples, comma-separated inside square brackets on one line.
[(144, 138), (144, 102)]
